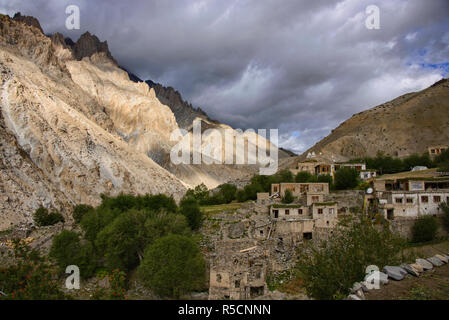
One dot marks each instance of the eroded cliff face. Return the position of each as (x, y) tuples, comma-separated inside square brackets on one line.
[(59, 123), (73, 126)]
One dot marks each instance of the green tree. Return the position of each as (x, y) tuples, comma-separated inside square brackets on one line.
[(286, 176), (79, 211), (173, 265), (328, 269), (346, 178), (288, 197), (43, 218), (160, 224), (190, 208), (303, 176), (228, 192), (67, 250), (425, 229), (123, 240)]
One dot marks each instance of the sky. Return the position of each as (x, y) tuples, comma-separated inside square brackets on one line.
[(299, 66)]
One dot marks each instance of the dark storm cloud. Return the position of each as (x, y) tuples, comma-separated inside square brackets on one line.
[(300, 66)]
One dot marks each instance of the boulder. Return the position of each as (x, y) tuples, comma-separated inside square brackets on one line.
[(442, 258), (395, 273), (426, 265), (435, 261), (353, 297), (360, 294), (417, 267), (370, 279), (410, 269)]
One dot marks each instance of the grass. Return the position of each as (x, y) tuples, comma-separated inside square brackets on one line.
[(5, 232), (214, 209)]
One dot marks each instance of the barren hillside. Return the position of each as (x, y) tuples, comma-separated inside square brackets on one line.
[(406, 125)]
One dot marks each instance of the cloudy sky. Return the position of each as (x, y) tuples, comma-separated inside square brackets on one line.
[(300, 66)]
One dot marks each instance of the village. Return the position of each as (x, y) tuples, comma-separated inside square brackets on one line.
[(262, 237)]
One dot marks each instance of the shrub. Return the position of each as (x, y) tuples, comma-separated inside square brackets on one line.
[(329, 269), (43, 218), (79, 211), (303, 176), (288, 197), (172, 266), (30, 278), (346, 178), (425, 229), (67, 250), (190, 208), (228, 192)]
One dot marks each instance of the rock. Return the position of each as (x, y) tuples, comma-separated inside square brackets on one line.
[(410, 269), (426, 265), (435, 261), (395, 273), (370, 279), (417, 267), (360, 294), (236, 230), (353, 297), (442, 258), (357, 286)]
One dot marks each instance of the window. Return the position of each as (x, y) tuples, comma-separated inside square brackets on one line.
[(398, 200), (331, 210), (218, 277), (276, 213), (307, 235), (320, 211), (436, 199), (409, 200), (261, 232), (424, 199), (315, 199), (237, 283), (287, 212), (299, 211)]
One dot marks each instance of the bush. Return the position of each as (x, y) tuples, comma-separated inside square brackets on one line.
[(288, 197), (172, 266), (303, 176), (190, 208), (79, 211), (30, 278), (329, 269), (346, 178), (228, 192), (425, 229), (43, 218), (67, 250)]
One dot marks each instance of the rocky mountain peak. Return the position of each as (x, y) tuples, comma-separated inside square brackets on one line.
[(89, 44), (28, 20)]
